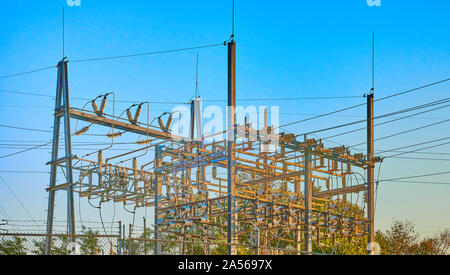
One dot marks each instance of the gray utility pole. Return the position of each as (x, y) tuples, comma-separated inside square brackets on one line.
[(231, 136), (158, 193), (308, 197), (62, 111), (370, 151), (370, 171)]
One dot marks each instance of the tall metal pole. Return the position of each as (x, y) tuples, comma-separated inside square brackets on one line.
[(370, 172), (158, 192), (120, 240), (308, 197), (69, 172), (231, 145), (370, 151), (145, 235), (62, 110), (130, 242), (54, 167)]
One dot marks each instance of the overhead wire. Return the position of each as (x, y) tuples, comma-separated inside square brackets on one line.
[(386, 122), (363, 104), (417, 176), (17, 199), (413, 145), (145, 53), (27, 72), (82, 99), (446, 100), (429, 147), (23, 151), (419, 182), (404, 132)]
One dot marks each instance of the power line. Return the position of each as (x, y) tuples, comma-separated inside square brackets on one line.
[(4, 212), (430, 159), (206, 100), (419, 182), (323, 115), (413, 145), (363, 104), (40, 130), (17, 198), (414, 89), (28, 72), (446, 100), (405, 132), (434, 146), (415, 177), (76, 149), (25, 93), (146, 53), (285, 98), (423, 153), (26, 129), (386, 122), (24, 172), (82, 99), (20, 152)]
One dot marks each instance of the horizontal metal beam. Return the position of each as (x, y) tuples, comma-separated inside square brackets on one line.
[(120, 125), (59, 187), (341, 191), (274, 178)]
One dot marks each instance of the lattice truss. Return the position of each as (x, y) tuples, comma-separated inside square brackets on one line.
[(188, 181)]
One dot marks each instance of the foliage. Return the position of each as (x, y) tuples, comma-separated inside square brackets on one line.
[(13, 247), (89, 245), (401, 239)]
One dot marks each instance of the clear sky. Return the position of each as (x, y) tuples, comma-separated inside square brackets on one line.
[(285, 49)]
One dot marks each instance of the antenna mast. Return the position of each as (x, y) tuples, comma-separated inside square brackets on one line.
[(63, 34)]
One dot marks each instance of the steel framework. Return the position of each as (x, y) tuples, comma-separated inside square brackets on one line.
[(229, 191)]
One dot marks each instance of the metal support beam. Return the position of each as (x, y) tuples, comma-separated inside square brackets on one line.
[(158, 192), (68, 145), (231, 225), (308, 199), (370, 170), (341, 191), (120, 125), (62, 104), (274, 178)]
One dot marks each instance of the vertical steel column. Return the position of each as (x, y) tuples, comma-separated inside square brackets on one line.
[(231, 146), (145, 235), (53, 171), (158, 192), (308, 198), (68, 143), (62, 109), (370, 172), (120, 240), (130, 242), (256, 240)]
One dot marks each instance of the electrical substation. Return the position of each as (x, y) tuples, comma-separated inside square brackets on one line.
[(258, 185)]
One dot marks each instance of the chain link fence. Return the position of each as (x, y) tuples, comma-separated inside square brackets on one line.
[(29, 238), (34, 244)]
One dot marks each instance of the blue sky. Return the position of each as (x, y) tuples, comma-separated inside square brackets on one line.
[(285, 49)]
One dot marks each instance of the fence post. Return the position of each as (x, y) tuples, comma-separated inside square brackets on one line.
[(145, 235), (130, 246), (120, 240)]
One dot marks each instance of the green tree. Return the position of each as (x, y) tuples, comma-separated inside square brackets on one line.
[(13, 247), (89, 245), (401, 239), (59, 246)]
